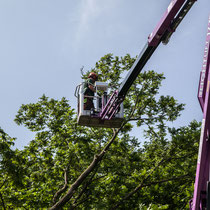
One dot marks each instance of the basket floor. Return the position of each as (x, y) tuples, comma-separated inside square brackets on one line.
[(90, 121)]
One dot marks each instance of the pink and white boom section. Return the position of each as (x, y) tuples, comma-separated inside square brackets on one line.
[(201, 198)]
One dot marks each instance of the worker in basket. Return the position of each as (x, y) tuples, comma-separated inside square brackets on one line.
[(89, 91)]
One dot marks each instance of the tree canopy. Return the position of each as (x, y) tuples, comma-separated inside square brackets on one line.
[(73, 167)]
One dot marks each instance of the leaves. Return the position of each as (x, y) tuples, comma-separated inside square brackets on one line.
[(156, 174)]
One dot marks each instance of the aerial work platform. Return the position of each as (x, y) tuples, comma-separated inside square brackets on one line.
[(86, 119), (92, 118)]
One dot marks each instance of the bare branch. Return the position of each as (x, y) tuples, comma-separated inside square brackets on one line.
[(143, 119), (86, 172), (81, 71), (81, 202), (85, 187), (75, 205), (165, 180), (59, 192)]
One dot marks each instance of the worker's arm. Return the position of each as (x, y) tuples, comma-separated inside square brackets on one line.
[(92, 88)]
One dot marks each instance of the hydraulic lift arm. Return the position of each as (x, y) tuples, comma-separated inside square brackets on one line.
[(201, 197), (172, 17), (167, 25)]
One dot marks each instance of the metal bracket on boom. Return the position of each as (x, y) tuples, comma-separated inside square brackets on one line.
[(111, 107), (177, 20)]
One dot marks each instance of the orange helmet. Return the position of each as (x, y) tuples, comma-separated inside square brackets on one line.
[(93, 76)]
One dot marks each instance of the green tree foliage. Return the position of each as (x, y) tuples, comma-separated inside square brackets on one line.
[(77, 167)]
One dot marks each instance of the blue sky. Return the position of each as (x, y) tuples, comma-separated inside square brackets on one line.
[(44, 43)]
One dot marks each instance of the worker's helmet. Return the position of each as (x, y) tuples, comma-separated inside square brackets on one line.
[(93, 76)]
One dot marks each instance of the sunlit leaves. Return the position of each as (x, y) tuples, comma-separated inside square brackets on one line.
[(162, 167)]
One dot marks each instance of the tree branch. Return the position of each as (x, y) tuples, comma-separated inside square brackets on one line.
[(144, 119), (86, 172), (59, 192), (165, 180), (141, 185), (85, 188), (182, 157), (150, 172), (93, 164), (75, 205)]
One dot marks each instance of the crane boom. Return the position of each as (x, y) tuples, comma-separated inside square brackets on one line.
[(172, 17), (136, 69), (201, 197)]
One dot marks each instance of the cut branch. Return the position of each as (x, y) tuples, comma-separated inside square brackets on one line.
[(86, 172)]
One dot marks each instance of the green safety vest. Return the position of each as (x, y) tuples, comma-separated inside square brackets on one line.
[(87, 90)]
